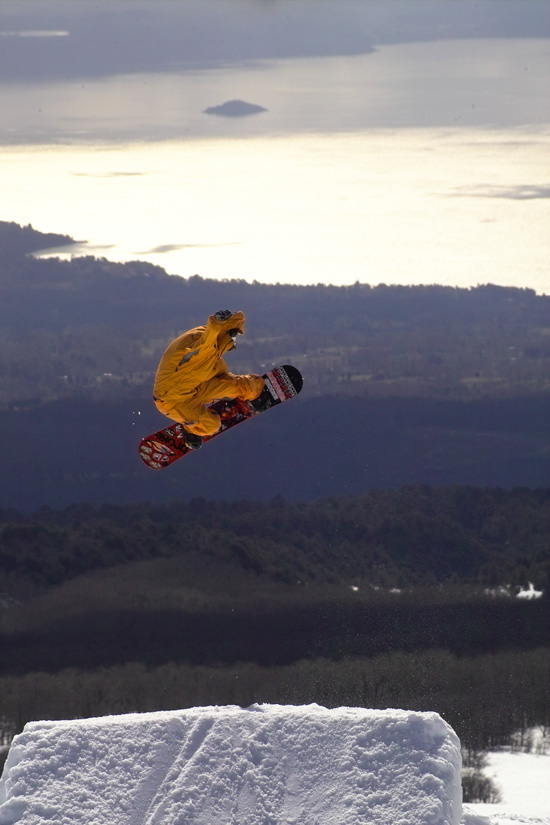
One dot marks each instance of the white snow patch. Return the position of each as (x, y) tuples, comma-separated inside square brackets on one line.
[(498, 591), (266, 765), (523, 780), (530, 593)]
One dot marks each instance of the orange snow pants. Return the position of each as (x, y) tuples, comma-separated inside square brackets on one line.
[(192, 412)]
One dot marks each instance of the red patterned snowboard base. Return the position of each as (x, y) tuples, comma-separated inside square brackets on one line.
[(162, 448)]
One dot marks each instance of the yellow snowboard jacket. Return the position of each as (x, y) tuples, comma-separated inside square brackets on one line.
[(192, 374)]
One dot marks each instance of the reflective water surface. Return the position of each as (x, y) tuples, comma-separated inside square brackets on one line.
[(426, 163)]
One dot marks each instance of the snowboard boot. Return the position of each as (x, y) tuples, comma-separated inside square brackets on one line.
[(193, 441), (263, 401)]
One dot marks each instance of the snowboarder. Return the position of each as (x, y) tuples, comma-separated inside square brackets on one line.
[(192, 374)]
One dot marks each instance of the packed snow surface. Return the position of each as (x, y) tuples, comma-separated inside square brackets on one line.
[(524, 783), (265, 765)]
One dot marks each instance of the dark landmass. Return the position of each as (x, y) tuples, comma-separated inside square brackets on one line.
[(401, 597), (403, 385), (18, 240), (83, 450), (235, 108), (101, 328), (167, 36), (204, 583), (406, 538)]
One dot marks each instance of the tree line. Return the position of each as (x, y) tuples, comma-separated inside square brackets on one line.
[(413, 536), (273, 628), (217, 582), (487, 699)]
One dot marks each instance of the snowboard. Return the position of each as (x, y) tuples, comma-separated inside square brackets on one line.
[(163, 448)]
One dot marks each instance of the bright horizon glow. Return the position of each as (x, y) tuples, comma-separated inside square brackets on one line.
[(405, 207), (361, 169)]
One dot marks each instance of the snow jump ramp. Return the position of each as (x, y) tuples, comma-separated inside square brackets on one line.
[(265, 765)]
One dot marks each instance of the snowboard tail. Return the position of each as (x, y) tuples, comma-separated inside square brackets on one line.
[(166, 446)]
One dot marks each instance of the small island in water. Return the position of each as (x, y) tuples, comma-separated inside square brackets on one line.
[(235, 108)]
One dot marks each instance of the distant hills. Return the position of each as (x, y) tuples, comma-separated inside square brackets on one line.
[(403, 385), (137, 36), (101, 328)]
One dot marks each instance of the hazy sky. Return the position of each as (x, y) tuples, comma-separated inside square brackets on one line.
[(44, 39)]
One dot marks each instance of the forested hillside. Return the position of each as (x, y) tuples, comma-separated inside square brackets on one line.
[(402, 385), (272, 583), (404, 598), (93, 326), (394, 539)]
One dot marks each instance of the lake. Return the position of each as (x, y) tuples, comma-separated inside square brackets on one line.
[(420, 163)]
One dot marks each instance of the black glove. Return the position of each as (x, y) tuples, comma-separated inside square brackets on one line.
[(222, 314)]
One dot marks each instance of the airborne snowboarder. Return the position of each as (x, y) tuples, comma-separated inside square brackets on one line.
[(192, 374)]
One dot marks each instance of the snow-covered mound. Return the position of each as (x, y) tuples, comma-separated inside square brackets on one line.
[(266, 765), (530, 593)]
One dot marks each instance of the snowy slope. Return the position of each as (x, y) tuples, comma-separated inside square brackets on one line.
[(266, 765), (524, 782)]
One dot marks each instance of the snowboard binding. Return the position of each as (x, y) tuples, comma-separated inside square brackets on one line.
[(193, 441), (262, 402)]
